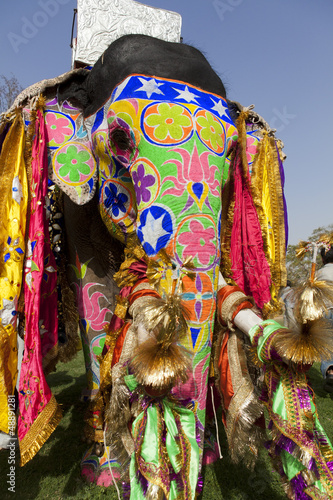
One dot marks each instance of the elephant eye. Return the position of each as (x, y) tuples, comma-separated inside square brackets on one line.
[(120, 139)]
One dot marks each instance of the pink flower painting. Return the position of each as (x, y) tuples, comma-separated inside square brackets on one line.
[(59, 128), (198, 242), (194, 175)]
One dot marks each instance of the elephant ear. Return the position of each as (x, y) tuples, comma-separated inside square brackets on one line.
[(72, 165), (73, 89)]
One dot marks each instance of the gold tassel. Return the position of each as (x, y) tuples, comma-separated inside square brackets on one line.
[(160, 367), (311, 299), (306, 343), (302, 249), (310, 337), (40, 431), (160, 362), (166, 318)]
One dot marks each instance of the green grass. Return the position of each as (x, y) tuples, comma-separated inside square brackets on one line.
[(54, 473)]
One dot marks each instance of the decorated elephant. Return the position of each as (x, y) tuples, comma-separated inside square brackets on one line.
[(157, 189)]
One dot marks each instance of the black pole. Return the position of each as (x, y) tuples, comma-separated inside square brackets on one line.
[(74, 16)]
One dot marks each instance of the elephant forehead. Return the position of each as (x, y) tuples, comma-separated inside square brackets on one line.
[(140, 87), (166, 112)]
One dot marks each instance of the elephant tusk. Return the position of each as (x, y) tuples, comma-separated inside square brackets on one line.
[(246, 319)]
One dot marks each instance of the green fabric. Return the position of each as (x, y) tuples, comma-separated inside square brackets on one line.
[(171, 444), (136, 491), (270, 326), (282, 385), (181, 457), (319, 485), (279, 405), (149, 451), (291, 465), (131, 382)]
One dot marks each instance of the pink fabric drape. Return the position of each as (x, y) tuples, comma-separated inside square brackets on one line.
[(248, 262), (38, 410)]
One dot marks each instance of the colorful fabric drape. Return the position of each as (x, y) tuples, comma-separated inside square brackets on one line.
[(299, 447), (38, 410), (254, 217), (166, 449), (250, 267), (267, 188), (13, 208)]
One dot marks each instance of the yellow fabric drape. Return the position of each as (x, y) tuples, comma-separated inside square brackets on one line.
[(13, 211), (267, 193)]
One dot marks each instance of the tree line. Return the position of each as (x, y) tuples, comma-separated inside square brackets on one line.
[(9, 89), (298, 270)]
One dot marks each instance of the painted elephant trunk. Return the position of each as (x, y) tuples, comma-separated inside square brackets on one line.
[(160, 192)]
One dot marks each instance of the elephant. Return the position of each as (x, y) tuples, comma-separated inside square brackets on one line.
[(154, 169)]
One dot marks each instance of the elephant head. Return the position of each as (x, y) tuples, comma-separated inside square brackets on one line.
[(157, 151)]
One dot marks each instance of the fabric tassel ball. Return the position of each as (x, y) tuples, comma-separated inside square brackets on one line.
[(311, 300), (160, 362), (306, 343), (159, 366)]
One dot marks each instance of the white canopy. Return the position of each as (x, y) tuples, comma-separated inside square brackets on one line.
[(100, 22)]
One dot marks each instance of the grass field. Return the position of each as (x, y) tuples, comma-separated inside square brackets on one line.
[(54, 473)]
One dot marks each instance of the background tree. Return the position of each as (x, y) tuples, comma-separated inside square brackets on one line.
[(298, 270), (9, 89)]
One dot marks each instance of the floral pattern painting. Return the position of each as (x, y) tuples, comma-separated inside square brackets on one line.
[(60, 128), (74, 164)]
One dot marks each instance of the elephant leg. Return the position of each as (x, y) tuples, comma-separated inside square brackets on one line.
[(93, 257)]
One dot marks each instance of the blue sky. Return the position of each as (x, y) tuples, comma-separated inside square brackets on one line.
[(276, 54)]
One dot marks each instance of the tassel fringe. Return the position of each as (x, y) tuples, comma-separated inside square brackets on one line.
[(306, 343), (160, 362), (40, 431)]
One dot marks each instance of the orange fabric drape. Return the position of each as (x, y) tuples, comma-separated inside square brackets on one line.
[(225, 374)]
